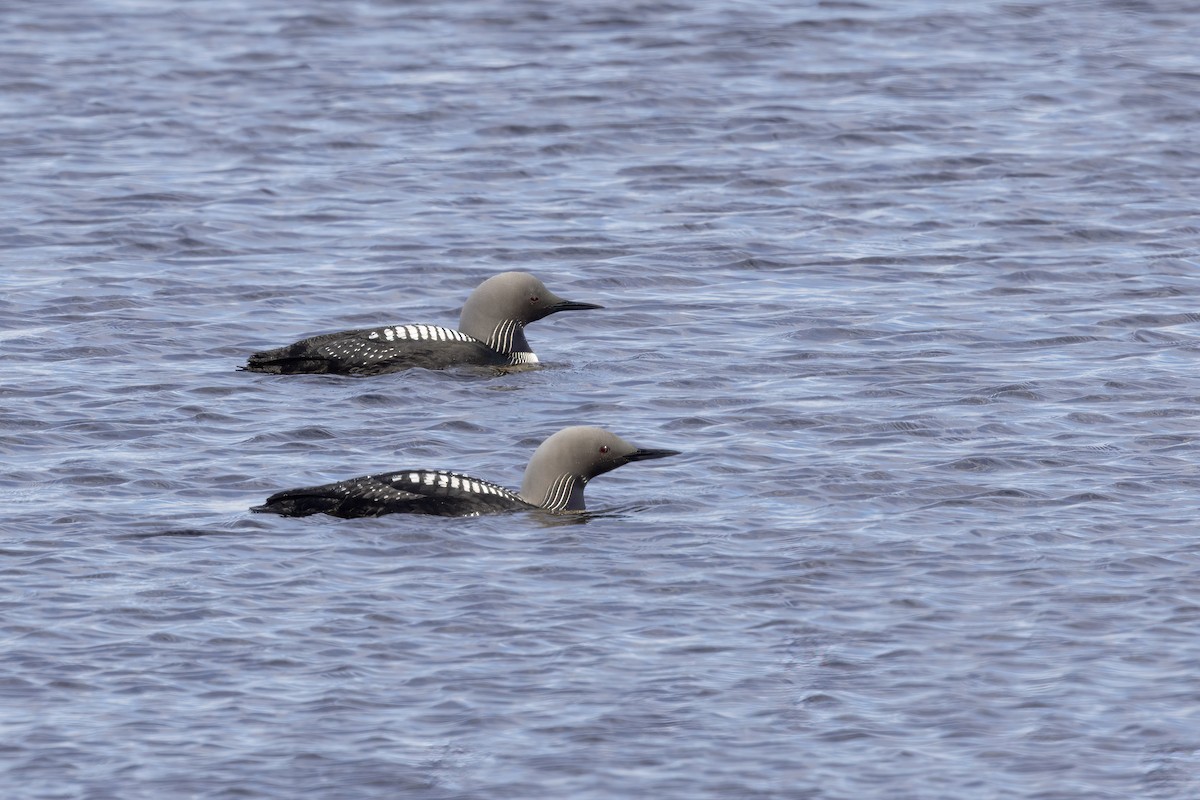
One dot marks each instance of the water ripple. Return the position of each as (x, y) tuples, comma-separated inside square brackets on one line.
[(912, 288)]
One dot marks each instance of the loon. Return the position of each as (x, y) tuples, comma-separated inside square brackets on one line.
[(491, 332), (554, 481)]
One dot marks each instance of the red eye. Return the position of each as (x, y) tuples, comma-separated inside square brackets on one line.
[(603, 448), (533, 298)]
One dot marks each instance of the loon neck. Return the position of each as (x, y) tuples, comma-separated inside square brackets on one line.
[(508, 337), (563, 493)]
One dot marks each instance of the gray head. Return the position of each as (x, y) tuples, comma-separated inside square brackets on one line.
[(500, 308), (563, 464)]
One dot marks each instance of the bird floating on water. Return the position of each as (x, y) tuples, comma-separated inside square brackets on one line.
[(554, 480), (491, 332)]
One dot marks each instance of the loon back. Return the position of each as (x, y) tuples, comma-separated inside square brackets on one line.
[(414, 491), (377, 351)]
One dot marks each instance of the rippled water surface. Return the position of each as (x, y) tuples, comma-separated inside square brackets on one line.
[(912, 285)]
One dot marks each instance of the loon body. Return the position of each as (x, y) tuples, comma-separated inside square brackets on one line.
[(491, 332), (554, 480)]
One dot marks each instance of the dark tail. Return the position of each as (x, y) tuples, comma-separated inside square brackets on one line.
[(283, 362), (316, 500), (298, 503)]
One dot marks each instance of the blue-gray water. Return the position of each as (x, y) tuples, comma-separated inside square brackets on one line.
[(913, 285)]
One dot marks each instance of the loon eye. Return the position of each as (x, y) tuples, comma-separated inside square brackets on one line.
[(533, 298), (603, 448)]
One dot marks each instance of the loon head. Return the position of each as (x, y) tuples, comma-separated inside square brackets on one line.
[(500, 308), (563, 464)]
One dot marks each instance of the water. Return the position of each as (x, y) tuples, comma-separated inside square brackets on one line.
[(914, 288)]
